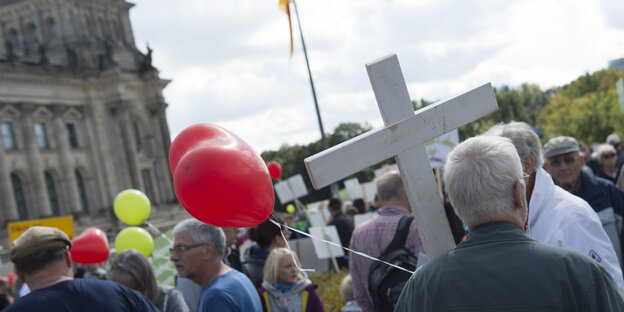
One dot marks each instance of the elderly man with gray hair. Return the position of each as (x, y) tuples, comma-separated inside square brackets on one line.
[(498, 267), (556, 217), (197, 253)]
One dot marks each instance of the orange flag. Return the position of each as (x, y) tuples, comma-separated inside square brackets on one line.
[(284, 5)]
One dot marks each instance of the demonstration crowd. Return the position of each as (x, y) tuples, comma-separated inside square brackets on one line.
[(539, 228)]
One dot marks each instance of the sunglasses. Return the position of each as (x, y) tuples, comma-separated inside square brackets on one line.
[(607, 156)]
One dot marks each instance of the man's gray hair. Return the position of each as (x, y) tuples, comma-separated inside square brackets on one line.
[(480, 174), (390, 186), (523, 138), (203, 233)]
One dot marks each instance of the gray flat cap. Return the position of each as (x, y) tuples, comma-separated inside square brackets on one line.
[(560, 145)]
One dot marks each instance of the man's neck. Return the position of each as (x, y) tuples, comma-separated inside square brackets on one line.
[(48, 276), (219, 269)]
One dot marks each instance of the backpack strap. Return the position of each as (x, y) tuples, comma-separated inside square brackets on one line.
[(400, 236)]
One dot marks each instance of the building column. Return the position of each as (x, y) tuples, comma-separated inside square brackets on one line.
[(163, 142), (6, 191), (122, 114), (67, 178), (38, 192)]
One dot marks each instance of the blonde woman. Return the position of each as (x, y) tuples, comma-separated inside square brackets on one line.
[(285, 288)]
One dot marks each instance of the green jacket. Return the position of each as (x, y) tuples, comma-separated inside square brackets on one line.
[(498, 268)]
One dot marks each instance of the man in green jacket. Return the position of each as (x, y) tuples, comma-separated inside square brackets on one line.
[(498, 268)]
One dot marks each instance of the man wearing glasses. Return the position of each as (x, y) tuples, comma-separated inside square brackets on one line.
[(564, 163), (555, 216), (197, 253)]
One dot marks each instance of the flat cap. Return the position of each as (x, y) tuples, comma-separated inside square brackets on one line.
[(37, 239), (560, 145)]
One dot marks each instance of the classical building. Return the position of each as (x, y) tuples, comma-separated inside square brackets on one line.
[(82, 116)]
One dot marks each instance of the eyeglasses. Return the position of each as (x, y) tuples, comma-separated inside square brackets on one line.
[(607, 156), (180, 249), (568, 160)]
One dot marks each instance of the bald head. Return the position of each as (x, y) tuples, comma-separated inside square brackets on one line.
[(390, 190)]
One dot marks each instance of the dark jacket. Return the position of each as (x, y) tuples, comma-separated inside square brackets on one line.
[(601, 194), (499, 268), (344, 226), (253, 263)]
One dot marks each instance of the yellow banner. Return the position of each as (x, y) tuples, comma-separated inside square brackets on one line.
[(65, 224)]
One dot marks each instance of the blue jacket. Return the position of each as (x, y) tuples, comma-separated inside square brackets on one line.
[(601, 194)]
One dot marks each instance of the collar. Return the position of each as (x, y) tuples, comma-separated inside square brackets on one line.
[(578, 188), (493, 232), (393, 211)]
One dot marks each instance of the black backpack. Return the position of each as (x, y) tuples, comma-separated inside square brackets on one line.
[(385, 283)]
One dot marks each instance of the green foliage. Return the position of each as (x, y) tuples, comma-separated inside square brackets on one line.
[(520, 104), (586, 109), (291, 159)]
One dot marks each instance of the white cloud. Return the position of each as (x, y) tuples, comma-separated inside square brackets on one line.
[(230, 65)]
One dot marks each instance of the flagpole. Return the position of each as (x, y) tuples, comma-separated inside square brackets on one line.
[(334, 186)]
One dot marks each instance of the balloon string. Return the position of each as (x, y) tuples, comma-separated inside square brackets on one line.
[(345, 248), (158, 232), (291, 251)]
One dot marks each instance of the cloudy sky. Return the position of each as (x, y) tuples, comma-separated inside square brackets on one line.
[(229, 60)]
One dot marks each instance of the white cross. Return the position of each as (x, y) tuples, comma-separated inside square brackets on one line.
[(403, 137)]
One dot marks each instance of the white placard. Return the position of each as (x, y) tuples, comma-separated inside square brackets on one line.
[(438, 148), (284, 192), (322, 252), (353, 188), (304, 247), (370, 190), (315, 218), (317, 205), (361, 218)]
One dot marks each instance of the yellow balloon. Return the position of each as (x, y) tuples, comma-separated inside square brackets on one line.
[(135, 238), (132, 207), (290, 208)]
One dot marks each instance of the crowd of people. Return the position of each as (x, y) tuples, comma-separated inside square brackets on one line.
[(538, 228)]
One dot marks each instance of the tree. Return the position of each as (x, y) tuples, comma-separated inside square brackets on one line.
[(291, 159), (514, 104), (586, 109)]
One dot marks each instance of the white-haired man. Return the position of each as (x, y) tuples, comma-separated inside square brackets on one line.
[(557, 217), (198, 255), (497, 267)]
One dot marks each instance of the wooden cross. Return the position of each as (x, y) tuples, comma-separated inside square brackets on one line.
[(403, 137)]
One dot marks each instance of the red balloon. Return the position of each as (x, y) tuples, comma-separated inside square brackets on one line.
[(275, 169), (10, 278), (90, 247), (219, 179)]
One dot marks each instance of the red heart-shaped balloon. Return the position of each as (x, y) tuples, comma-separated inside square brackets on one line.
[(220, 179), (90, 247), (275, 169)]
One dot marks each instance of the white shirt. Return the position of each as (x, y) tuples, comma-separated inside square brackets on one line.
[(559, 218)]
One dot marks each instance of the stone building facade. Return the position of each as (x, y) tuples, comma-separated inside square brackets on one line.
[(82, 116)]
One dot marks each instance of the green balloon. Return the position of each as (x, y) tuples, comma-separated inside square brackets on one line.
[(290, 208), (132, 207), (135, 238)]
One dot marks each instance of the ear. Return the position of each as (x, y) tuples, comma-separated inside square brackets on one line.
[(528, 164), (519, 198)]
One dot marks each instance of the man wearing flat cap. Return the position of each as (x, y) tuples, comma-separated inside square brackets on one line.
[(41, 258), (564, 163)]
